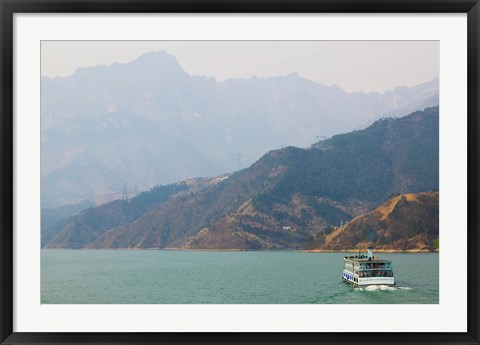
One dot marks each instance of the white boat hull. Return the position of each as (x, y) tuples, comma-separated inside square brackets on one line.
[(370, 281), (376, 281)]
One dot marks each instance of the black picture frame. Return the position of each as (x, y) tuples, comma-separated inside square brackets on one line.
[(9, 7)]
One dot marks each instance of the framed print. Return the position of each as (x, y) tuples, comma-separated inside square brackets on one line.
[(226, 172)]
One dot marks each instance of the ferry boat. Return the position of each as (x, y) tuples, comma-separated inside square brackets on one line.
[(365, 269)]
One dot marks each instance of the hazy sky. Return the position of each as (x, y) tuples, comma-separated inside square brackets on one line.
[(352, 65)]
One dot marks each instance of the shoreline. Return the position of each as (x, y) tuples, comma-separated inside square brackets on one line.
[(375, 251), (260, 250)]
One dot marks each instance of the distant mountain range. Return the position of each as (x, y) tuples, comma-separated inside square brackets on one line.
[(288, 199), (147, 122)]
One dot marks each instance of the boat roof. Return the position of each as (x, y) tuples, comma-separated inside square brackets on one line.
[(353, 258)]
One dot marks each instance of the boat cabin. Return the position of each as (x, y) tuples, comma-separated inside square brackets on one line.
[(366, 269)]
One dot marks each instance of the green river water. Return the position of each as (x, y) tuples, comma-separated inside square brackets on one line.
[(197, 277)]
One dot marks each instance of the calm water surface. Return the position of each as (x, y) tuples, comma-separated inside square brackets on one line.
[(281, 277)]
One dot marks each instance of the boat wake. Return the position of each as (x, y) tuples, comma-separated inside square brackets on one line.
[(382, 288)]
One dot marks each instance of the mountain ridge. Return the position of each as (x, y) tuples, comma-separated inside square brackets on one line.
[(290, 195), (147, 107)]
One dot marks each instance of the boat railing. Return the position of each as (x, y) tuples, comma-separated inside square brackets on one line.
[(374, 266), (376, 274)]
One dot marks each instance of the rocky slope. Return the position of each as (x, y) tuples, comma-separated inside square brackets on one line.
[(404, 222)]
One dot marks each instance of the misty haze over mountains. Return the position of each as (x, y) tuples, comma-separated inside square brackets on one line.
[(148, 122)]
